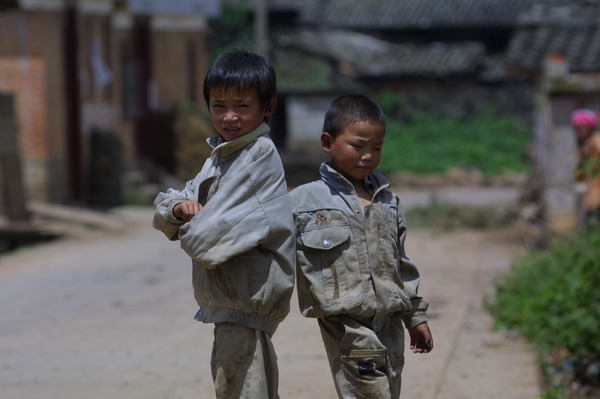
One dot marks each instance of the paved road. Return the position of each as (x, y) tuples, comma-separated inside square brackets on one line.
[(109, 315)]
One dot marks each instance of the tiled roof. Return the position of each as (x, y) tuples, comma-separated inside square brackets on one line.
[(403, 14), (567, 27), (580, 47), (421, 14), (570, 29), (363, 55), (561, 12)]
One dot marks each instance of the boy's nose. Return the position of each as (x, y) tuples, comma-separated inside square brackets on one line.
[(231, 116)]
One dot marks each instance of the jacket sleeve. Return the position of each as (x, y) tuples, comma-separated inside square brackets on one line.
[(238, 217), (410, 277), (164, 220)]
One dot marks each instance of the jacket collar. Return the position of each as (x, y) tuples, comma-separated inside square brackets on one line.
[(375, 181), (224, 149)]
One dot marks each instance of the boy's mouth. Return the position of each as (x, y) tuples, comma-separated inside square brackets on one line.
[(230, 130)]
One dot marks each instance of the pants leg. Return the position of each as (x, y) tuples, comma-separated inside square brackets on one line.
[(392, 337), (243, 363), (362, 365)]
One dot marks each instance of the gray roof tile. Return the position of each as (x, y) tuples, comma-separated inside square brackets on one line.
[(580, 47), (571, 29), (422, 14), (366, 56)]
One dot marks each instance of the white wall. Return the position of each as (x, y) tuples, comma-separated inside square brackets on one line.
[(305, 121)]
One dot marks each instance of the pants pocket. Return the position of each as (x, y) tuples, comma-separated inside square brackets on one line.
[(365, 370)]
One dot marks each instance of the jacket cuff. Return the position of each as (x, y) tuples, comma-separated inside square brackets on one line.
[(168, 212), (418, 314), (415, 319)]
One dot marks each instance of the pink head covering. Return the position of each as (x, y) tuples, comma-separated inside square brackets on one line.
[(584, 117)]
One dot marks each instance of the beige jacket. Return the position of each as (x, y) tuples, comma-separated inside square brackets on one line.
[(352, 260), (242, 241)]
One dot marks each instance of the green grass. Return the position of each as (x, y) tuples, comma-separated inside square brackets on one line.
[(432, 143)]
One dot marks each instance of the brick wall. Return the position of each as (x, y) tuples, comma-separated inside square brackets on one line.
[(25, 78)]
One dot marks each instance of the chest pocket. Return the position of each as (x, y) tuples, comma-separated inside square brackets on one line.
[(327, 261), (326, 239)]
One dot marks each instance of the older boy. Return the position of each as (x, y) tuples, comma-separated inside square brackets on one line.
[(353, 272), (234, 220)]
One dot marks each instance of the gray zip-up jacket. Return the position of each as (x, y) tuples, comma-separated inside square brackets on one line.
[(352, 260), (242, 241)]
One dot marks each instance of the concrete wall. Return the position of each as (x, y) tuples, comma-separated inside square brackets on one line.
[(305, 115), (555, 151)]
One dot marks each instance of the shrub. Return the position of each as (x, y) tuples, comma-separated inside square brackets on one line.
[(552, 298), (231, 30)]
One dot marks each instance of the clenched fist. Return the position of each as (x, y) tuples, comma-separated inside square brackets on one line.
[(186, 210)]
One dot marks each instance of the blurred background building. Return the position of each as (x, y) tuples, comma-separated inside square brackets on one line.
[(93, 87), (90, 82)]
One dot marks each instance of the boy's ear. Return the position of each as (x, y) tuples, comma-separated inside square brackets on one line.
[(326, 141), (270, 106)]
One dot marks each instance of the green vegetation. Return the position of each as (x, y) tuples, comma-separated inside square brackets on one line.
[(427, 142), (552, 298), (231, 30)]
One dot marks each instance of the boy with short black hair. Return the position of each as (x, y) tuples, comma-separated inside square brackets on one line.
[(353, 273), (234, 220)]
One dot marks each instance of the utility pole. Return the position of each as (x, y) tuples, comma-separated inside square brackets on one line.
[(261, 27)]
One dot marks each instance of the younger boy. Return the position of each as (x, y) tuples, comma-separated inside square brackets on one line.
[(353, 272), (234, 220)]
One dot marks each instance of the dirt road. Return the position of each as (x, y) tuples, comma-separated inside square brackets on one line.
[(110, 315)]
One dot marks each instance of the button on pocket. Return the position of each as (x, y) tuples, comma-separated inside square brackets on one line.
[(327, 238)]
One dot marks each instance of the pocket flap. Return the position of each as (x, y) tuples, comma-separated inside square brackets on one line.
[(325, 238)]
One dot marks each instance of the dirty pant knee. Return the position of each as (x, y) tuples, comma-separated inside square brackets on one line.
[(243, 363)]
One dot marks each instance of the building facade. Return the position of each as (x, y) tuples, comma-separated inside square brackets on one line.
[(89, 80)]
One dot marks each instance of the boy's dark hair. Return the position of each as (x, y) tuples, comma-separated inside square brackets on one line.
[(242, 70), (351, 108)]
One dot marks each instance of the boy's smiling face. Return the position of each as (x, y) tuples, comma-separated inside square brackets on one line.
[(356, 150), (236, 112)]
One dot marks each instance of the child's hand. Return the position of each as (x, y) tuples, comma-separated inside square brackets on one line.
[(421, 340), (186, 210)]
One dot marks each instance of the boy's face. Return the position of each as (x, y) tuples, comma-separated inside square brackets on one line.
[(356, 150), (237, 112)]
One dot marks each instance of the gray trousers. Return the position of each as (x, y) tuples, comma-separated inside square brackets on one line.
[(243, 363), (364, 364)]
